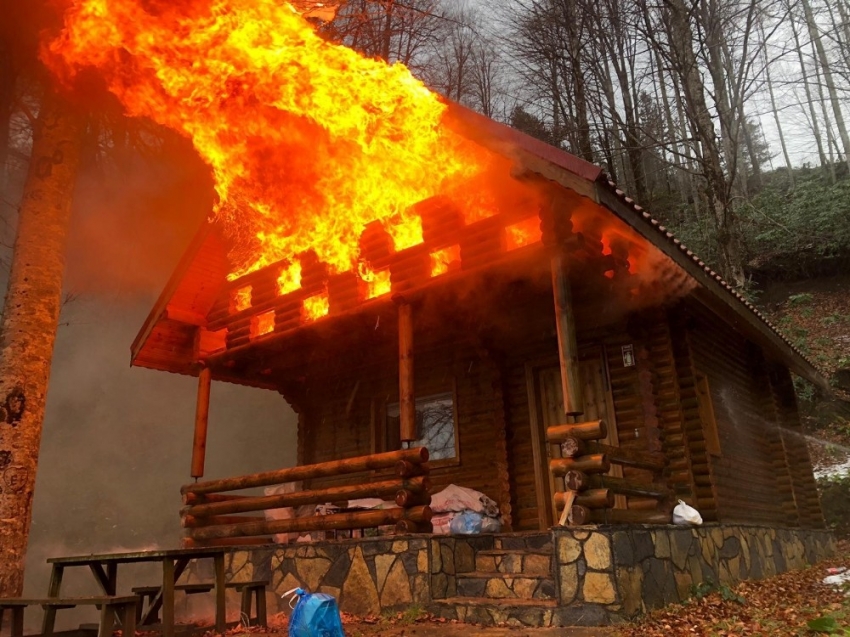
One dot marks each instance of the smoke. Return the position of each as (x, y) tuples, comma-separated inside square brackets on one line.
[(117, 440)]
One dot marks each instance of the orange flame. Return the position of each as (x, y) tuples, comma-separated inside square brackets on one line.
[(524, 233), (308, 141), (377, 282), (262, 324), (445, 260), (289, 279), (242, 298), (317, 306)]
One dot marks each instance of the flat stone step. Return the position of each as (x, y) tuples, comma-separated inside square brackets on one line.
[(505, 586), (531, 613), (525, 562)]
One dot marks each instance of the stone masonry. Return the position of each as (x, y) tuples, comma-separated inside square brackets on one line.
[(569, 576)]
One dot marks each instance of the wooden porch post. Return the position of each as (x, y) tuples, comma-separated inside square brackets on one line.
[(202, 412), (406, 397), (567, 347)]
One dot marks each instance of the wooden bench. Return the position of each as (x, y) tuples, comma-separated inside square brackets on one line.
[(257, 588), (148, 593), (110, 606)]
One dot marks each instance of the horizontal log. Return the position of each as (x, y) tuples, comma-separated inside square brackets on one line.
[(407, 469), (572, 447), (592, 430), (621, 486), (592, 499), (383, 489), (189, 543), (195, 498), (405, 498), (350, 520), (595, 463), (409, 526), (579, 515), (307, 472), (628, 516), (652, 461), (643, 504), (575, 480), (192, 522)]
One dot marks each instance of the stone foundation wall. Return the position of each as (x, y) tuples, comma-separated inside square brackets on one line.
[(601, 575), (614, 573), (366, 576)]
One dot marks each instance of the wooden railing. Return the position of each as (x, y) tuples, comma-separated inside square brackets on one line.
[(208, 515), (588, 493)]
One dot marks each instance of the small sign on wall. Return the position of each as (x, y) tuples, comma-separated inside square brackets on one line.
[(628, 355)]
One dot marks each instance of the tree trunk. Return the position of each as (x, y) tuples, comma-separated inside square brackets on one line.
[(773, 108), (730, 250), (7, 91), (830, 83), (825, 164), (831, 143), (30, 320)]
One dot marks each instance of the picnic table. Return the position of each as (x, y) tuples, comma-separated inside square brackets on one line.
[(104, 567)]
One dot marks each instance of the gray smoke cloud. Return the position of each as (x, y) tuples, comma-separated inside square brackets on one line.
[(117, 441)]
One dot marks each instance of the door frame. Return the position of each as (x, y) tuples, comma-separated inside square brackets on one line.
[(543, 481), (542, 475)]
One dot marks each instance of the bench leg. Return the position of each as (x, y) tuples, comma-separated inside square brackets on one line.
[(246, 606), (49, 621), (261, 607), (18, 621), (128, 619), (107, 620)]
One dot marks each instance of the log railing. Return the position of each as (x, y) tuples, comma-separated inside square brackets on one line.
[(209, 517), (588, 492)]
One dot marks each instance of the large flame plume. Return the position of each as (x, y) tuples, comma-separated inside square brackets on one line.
[(308, 141)]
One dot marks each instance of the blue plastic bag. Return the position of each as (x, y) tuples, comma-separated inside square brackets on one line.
[(467, 523), (315, 615)]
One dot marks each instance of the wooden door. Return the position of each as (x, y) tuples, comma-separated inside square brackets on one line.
[(546, 408)]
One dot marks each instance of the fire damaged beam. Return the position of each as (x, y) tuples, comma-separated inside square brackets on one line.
[(406, 395)]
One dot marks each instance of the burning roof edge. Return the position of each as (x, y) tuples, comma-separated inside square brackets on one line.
[(586, 179), (613, 198)]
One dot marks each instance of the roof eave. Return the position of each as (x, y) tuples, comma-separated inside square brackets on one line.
[(159, 308), (605, 194)]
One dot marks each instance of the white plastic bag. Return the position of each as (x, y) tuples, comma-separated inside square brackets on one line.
[(685, 515)]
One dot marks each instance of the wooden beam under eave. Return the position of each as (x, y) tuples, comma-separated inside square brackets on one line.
[(567, 345), (202, 412), (406, 395)]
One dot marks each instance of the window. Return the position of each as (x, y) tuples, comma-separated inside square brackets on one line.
[(435, 426), (706, 412)]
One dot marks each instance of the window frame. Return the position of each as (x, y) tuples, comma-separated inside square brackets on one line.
[(705, 404), (385, 440)]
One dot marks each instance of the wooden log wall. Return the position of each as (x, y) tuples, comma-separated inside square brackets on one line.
[(669, 410), (481, 244), (804, 488), (699, 472), (744, 475), (445, 367)]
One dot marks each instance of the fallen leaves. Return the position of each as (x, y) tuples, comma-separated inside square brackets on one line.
[(794, 603)]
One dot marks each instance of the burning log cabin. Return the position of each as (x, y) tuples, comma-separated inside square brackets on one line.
[(562, 349), (576, 346)]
